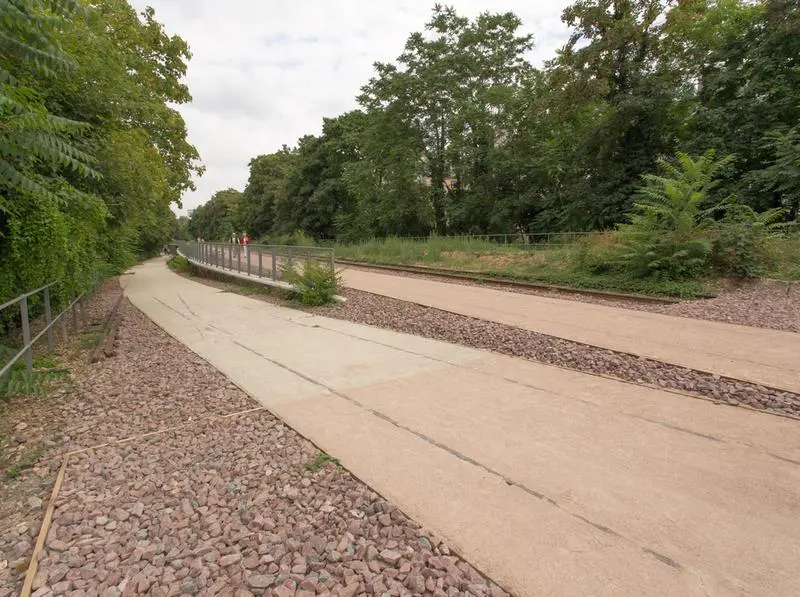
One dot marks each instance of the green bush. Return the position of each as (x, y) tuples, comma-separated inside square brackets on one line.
[(740, 241), (316, 285), (597, 254), (182, 265), (668, 235), (783, 255)]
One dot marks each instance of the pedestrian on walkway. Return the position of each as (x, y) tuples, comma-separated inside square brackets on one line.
[(246, 244), (234, 245)]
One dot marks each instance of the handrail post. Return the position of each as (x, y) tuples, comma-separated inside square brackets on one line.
[(26, 333), (74, 312), (48, 315)]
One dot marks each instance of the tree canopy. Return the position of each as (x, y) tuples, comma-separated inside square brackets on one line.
[(461, 134), (92, 150)]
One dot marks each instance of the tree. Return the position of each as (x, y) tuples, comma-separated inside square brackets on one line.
[(451, 88), (462, 135), (92, 153), (266, 193), (610, 67), (219, 218)]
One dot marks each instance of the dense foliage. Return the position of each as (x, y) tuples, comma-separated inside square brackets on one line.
[(462, 135), (92, 153)]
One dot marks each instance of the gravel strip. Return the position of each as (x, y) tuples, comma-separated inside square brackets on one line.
[(380, 311), (237, 506), (122, 398), (771, 304), (32, 433), (240, 507)]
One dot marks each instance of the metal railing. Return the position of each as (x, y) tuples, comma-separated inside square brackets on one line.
[(260, 261), (27, 342)]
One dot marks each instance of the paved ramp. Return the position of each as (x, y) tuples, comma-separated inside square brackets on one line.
[(552, 482), (762, 356)]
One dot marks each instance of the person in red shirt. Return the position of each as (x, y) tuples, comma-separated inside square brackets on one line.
[(246, 243)]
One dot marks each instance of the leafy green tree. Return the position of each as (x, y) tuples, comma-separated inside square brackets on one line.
[(219, 218), (266, 193), (450, 88), (610, 68), (744, 66), (92, 152)]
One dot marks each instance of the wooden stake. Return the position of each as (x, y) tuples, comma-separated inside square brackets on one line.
[(48, 517)]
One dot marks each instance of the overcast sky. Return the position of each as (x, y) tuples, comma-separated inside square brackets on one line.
[(264, 73)]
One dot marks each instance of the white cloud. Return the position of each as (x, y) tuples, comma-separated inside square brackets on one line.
[(266, 73)]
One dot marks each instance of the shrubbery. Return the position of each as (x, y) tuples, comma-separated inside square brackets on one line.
[(315, 285), (679, 230), (180, 264)]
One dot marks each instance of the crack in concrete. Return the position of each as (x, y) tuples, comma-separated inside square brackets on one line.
[(173, 309), (455, 453), (662, 558), (678, 428), (784, 459), (185, 304)]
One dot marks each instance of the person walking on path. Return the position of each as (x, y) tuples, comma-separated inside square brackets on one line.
[(234, 246), (246, 244)]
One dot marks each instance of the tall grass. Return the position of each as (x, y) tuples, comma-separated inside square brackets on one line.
[(783, 254), (589, 262), (403, 251)]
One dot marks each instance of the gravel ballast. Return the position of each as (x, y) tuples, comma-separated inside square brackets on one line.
[(239, 506), (381, 311)]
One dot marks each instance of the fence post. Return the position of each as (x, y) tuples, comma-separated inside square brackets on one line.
[(239, 260), (260, 267), (247, 256), (26, 333), (274, 266), (74, 312), (48, 316), (331, 261), (64, 326), (289, 258)]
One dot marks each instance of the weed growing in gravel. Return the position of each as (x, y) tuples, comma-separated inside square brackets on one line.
[(250, 289), (46, 361), (316, 285), (20, 382), (320, 461), (90, 340), (27, 461)]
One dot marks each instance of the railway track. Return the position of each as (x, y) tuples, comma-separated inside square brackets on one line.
[(483, 279)]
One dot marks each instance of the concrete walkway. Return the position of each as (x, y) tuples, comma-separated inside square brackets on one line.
[(767, 357), (550, 481)]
